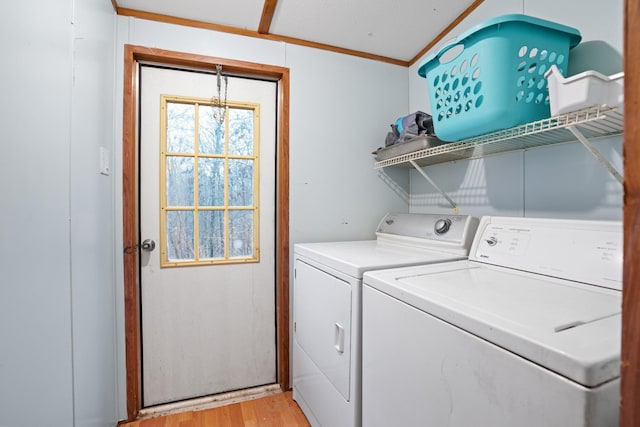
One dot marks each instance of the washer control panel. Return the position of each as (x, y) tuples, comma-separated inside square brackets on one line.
[(579, 250)]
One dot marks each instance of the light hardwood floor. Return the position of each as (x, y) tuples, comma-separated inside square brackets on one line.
[(277, 410)]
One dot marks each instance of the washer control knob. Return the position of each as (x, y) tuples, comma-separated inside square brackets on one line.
[(442, 225), (492, 241)]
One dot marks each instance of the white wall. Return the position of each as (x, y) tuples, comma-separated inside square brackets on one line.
[(57, 355), (558, 181), (341, 107), (93, 216), (35, 308)]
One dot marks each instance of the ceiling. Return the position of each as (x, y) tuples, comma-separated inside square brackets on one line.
[(395, 31)]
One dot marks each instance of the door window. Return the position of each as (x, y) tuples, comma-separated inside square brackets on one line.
[(208, 182)]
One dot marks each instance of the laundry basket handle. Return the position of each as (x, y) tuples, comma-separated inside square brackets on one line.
[(445, 54)]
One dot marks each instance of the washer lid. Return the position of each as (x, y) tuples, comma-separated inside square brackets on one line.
[(567, 327)]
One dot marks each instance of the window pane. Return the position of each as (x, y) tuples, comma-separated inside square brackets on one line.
[(179, 181), (180, 127), (211, 130), (211, 182), (240, 234), (180, 235), (240, 132), (211, 227), (240, 182)]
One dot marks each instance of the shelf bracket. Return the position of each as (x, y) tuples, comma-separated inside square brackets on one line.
[(424, 174), (594, 151)]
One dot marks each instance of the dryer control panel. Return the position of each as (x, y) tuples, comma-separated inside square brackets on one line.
[(450, 228)]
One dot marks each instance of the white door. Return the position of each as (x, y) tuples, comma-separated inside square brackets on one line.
[(207, 201)]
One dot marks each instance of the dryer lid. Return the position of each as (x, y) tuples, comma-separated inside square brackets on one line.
[(356, 257)]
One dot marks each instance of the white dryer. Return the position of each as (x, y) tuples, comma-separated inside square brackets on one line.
[(327, 299), (525, 333)]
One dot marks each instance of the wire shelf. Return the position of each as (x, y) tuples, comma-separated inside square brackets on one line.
[(593, 122)]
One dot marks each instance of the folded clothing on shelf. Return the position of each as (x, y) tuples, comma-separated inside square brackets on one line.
[(408, 127)]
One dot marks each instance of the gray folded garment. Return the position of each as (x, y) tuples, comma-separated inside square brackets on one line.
[(410, 126)]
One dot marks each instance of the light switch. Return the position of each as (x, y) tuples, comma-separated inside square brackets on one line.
[(105, 161)]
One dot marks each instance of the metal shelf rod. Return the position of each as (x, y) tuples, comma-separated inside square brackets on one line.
[(428, 178), (594, 151)]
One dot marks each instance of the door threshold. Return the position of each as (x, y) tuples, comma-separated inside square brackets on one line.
[(209, 402)]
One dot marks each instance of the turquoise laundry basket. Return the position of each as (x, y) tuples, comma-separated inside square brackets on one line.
[(492, 76)]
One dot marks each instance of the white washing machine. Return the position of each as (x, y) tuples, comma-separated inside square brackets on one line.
[(526, 332), (327, 299)]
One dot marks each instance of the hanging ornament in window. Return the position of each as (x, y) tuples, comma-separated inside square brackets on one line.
[(218, 113)]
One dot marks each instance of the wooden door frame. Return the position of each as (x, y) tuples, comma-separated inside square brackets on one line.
[(630, 357), (133, 56)]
